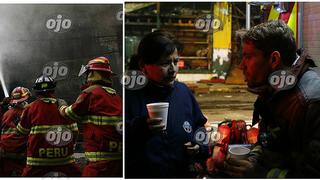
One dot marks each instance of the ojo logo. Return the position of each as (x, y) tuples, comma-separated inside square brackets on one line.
[(119, 16), (204, 24), (59, 136), (56, 70), (282, 79), (119, 127), (134, 80), (205, 137), (58, 23), (55, 174)]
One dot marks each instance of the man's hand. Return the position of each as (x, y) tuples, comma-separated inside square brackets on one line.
[(238, 168), (155, 125), (248, 168)]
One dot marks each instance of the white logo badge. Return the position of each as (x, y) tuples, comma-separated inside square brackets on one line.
[(187, 127), (59, 136)]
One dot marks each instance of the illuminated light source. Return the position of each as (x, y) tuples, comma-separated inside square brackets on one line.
[(281, 7)]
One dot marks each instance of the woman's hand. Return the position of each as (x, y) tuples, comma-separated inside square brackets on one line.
[(155, 125)]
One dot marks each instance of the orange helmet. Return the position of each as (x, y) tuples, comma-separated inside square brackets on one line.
[(19, 94), (97, 64)]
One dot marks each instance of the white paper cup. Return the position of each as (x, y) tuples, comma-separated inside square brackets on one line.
[(238, 152), (159, 110)]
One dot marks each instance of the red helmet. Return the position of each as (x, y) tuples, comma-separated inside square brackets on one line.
[(19, 94), (97, 64)]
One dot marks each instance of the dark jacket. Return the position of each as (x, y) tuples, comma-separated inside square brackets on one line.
[(160, 155), (290, 125)]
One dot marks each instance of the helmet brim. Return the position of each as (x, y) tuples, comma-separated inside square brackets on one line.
[(15, 101)]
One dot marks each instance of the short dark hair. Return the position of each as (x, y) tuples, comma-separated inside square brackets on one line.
[(156, 45), (273, 36)]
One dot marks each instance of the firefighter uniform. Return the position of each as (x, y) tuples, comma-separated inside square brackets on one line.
[(51, 137), (12, 144), (99, 109)]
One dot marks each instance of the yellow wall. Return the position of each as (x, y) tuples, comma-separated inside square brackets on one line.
[(222, 38)]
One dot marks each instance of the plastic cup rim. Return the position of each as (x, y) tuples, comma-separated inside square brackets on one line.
[(239, 154)]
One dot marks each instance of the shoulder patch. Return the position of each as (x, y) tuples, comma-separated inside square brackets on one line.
[(109, 90)]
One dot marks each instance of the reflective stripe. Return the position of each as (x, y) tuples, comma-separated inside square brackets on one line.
[(71, 114), (102, 120), (277, 173), (49, 162), (97, 120), (272, 172), (257, 150), (49, 100), (283, 174), (9, 131), (100, 156), (63, 108), (109, 90), (43, 129), (22, 129)]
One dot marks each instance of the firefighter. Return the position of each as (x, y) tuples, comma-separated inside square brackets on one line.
[(13, 145), (99, 109), (4, 105), (51, 137), (288, 113)]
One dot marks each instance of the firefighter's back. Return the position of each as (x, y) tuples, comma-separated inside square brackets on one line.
[(51, 140), (102, 139)]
